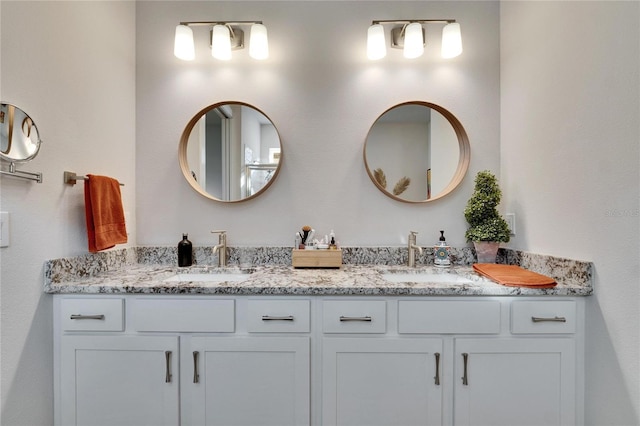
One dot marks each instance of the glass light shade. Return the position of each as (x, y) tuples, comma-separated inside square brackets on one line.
[(221, 42), (451, 40), (413, 41), (183, 44), (376, 45), (258, 42)]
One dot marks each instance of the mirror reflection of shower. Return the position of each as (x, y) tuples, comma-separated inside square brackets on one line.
[(233, 152)]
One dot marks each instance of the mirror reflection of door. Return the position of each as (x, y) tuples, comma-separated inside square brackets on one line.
[(232, 152)]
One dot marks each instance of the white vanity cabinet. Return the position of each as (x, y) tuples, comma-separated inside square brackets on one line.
[(453, 361), (165, 360), (529, 378), (106, 377), (248, 381), (514, 382), (118, 380), (374, 379), (320, 360)]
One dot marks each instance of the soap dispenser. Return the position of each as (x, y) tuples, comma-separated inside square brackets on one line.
[(185, 252), (441, 252)]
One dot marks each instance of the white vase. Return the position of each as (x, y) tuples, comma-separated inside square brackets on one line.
[(486, 251)]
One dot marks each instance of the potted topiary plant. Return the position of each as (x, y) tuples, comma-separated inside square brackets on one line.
[(487, 227)]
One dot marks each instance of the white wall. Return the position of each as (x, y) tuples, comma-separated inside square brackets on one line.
[(570, 135), (71, 66), (323, 95)]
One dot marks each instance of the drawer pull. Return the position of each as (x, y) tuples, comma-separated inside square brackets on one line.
[(465, 377), (437, 378), (167, 376), (87, 317), (554, 319), (365, 319), (196, 376), (272, 318)]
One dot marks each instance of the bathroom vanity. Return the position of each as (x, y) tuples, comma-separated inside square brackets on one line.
[(252, 360), (316, 347)]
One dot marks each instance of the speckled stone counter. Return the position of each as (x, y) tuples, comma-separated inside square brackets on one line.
[(144, 270)]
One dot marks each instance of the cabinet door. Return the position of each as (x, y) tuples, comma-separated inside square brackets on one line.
[(249, 381), (380, 381), (119, 380), (514, 382)]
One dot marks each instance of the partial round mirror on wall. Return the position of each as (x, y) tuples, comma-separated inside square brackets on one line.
[(230, 152), (416, 152), (19, 138)]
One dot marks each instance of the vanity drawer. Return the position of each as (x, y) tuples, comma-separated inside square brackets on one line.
[(449, 317), (354, 316), (278, 316), (538, 317), (184, 315), (98, 314)]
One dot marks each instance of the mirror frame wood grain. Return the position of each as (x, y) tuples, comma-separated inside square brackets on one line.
[(463, 159), (182, 152)]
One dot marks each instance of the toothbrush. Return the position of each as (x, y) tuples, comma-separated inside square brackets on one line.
[(305, 233)]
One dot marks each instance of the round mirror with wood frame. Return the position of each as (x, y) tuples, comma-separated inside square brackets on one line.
[(416, 152), (230, 152)]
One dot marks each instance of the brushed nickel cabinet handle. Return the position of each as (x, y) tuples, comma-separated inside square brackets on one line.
[(554, 319), (86, 317), (167, 357), (272, 318), (365, 319), (437, 378), (465, 377), (196, 376)]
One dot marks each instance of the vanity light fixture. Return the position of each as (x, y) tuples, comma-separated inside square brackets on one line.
[(409, 35), (225, 37)]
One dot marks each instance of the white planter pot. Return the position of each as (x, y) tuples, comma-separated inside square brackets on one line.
[(486, 251)]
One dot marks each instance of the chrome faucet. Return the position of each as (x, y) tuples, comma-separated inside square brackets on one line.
[(412, 249), (221, 248)]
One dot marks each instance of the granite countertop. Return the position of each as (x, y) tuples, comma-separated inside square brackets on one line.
[(279, 279)]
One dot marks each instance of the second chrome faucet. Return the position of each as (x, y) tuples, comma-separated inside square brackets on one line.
[(221, 248), (411, 262)]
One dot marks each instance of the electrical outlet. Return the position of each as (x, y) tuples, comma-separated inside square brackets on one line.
[(511, 221), (4, 229)]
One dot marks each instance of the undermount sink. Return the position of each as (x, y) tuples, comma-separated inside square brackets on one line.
[(424, 277), (216, 277)]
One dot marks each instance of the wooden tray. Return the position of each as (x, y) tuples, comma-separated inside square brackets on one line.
[(316, 258)]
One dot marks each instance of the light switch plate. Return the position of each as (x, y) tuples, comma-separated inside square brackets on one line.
[(4, 229), (511, 221)]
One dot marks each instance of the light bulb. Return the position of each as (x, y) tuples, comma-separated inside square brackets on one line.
[(413, 41), (221, 42), (258, 42), (376, 45), (451, 40), (183, 45)]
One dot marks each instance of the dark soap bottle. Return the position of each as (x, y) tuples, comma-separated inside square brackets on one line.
[(185, 252)]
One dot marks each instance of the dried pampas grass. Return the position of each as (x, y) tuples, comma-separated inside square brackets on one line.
[(401, 186), (379, 176)]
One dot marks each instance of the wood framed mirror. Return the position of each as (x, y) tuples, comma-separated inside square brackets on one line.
[(416, 152), (230, 152)]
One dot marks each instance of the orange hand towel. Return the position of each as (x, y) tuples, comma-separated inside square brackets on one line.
[(104, 213), (514, 276)]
